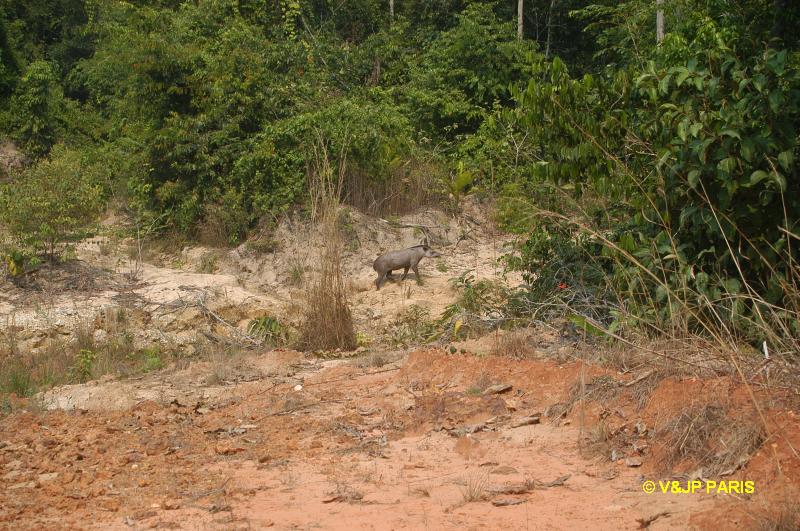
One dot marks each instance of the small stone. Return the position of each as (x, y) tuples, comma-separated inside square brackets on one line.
[(25, 485), (497, 389), (504, 470), (526, 421), (505, 502), (12, 475), (48, 477), (171, 505), (633, 462), (110, 504), (227, 449)]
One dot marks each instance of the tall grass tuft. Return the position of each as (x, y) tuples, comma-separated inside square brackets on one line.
[(327, 322)]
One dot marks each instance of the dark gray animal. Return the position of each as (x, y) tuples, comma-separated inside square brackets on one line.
[(403, 259)]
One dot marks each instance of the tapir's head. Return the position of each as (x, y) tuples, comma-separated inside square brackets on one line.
[(430, 253)]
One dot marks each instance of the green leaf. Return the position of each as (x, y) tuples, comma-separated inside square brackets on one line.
[(727, 164), (583, 324), (681, 77), (758, 176), (780, 180), (747, 149), (732, 286), (693, 178), (785, 159)]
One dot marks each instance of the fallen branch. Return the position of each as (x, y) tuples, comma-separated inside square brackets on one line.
[(640, 378), (644, 523)]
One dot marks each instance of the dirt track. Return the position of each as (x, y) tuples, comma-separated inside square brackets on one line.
[(383, 448)]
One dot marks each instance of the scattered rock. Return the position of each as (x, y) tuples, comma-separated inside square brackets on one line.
[(110, 504), (515, 488), (171, 505), (633, 462), (227, 449), (526, 421), (555, 483), (24, 485), (497, 389), (504, 470), (505, 502), (48, 477), (11, 475)]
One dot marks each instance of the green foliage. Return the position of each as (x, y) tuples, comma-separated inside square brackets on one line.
[(81, 370), (684, 169), (464, 72), (555, 258), (268, 329), (52, 201), (412, 326), (37, 108), (151, 359)]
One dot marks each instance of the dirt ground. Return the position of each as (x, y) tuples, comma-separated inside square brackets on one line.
[(331, 445), (387, 438)]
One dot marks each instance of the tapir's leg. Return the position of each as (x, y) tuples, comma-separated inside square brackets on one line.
[(405, 273), (416, 272), (380, 280)]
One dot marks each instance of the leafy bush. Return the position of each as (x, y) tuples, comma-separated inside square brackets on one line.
[(36, 108), (51, 201), (684, 172)]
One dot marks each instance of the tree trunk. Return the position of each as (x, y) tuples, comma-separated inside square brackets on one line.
[(519, 19), (659, 22), (779, 23), (549, 29), (391, 10)]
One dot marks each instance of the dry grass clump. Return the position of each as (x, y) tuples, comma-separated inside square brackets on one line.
[(514, 344), (411, 186), (706, 436), (786, 517), (327, 322), (474, 487), (600, 389)]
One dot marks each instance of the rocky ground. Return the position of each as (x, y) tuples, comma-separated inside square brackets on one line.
[(515, 431)]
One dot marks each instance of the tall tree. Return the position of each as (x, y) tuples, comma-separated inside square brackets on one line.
[(659, 21)]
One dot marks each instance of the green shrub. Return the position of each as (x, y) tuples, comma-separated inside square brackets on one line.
[(81, 370), (267, 329), (51, 202)]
